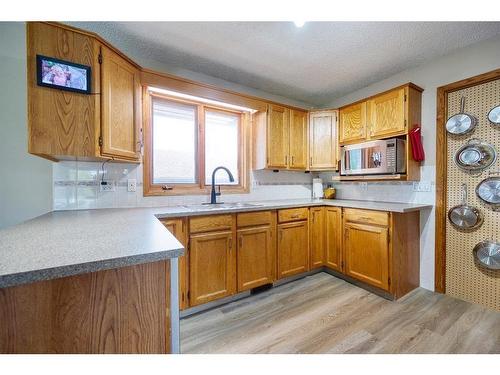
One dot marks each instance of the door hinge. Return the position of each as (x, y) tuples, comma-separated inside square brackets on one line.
[(342, 265), (100, 140), (99, 58), (405, 122), (189, 295), (389, 281), (405, 97)]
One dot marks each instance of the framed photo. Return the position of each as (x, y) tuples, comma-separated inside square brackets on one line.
[(63, 75)]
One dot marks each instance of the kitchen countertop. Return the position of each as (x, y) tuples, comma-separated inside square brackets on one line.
[(65, 243)]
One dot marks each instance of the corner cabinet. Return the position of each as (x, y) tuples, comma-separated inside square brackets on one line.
[(64, 125), (280, 139), (323, 147)]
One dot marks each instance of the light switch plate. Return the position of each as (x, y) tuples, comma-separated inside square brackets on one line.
[(422, 186)]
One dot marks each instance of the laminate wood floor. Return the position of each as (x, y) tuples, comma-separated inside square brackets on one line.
[(323, 314)]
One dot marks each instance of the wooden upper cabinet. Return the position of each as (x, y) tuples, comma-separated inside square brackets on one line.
[(386, 114), (323, 140), (333, 238), (178, 228), (67, 125), (212, 267), (62, 124), (256, 257), (293, 248), (298, 140), (367, 253), (278, 136), (353, 123), (317, 237), (120, 96)]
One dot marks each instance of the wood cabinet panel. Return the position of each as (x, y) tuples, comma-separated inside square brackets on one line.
[(366, 216), (120, 94), (317, 237), (178, 228), (210, 223), (248, 219), (367, 254), (256, 257), (293, 248), (353, 123), (298, 140), (278, 119), (212, 273), (125, 310), (387, 114), (62, 123), (293, 214), (333, 238), (323, 141)]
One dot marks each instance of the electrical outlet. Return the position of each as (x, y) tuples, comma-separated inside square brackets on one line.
[(364, 185), (107, 185), (131, 185), (422, 186)]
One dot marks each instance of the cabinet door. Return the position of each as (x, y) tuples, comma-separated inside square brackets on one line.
[(353, 123), (120, 108), (277, 136), (293, 248), (212, 267), (367, 254), (298, 140), (178, 228), (323, 141), (333, 238), (255, 258), (387, 115), (317, 237)]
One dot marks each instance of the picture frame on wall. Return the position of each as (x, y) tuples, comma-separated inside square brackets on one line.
[(63, 75)]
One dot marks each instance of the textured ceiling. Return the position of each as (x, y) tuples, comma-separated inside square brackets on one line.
[(313, 64)]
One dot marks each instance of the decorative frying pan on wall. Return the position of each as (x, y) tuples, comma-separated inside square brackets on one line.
[(494, 115), (461, 123), (475, 156), (463, 216), (488, 190), (487, 254)]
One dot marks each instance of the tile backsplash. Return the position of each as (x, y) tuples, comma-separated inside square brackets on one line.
[(77, 186)]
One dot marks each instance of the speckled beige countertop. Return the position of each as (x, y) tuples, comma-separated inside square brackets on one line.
[(65, 243)]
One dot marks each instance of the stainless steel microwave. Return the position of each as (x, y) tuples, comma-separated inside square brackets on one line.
[(375, 157)]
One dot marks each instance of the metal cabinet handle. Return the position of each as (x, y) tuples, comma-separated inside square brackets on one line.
[(286, 160), (241, 241), (230, 243), (292, 159)]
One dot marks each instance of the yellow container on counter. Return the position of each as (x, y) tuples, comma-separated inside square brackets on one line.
[(329, 193)]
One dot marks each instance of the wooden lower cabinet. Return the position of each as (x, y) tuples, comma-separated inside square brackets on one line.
[(293, 248), (317, 237), (212, 267), (256, 257), (333, 238), (367, 253), (178, 228)]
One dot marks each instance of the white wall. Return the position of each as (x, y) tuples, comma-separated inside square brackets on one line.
[(469, 61), (26, 180)]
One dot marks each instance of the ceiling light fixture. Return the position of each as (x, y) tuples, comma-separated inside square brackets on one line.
[(299, 23)]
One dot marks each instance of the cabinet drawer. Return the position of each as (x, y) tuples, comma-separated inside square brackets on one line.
[(249, 219), (210, 223), (366, 216), (293, 214)]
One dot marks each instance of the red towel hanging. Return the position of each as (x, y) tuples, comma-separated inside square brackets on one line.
[(417, 148)]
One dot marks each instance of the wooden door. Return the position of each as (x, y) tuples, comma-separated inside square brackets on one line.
[(255, 257), (178, 228), (278, 119), (212, 267), (367, 254), (298, 140), (317, 237), (120, 108), (333, 238), (387, 115), (293, 248), (323, 141), (353, 123)]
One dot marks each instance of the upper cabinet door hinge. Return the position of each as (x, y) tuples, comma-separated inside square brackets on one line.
[(99, 58), (405, 97), (100, 141)]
